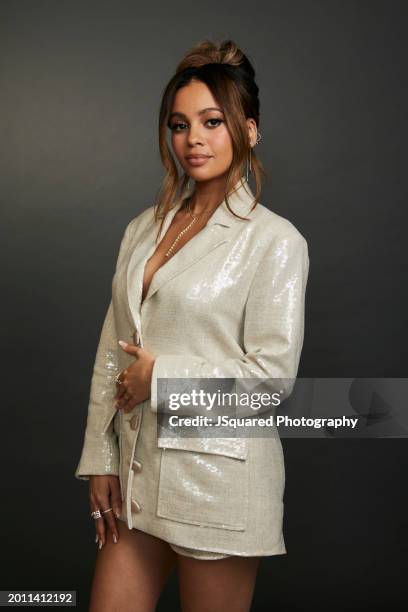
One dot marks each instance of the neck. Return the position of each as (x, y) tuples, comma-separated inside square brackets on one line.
[(208, 195)]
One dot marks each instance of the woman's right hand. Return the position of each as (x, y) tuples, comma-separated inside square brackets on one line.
[(104, 493)]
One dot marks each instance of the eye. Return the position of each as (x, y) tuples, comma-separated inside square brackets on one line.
[(218, 121), (174, 127), (178, 126)]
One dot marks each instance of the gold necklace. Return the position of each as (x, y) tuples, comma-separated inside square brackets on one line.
[(194, 217)]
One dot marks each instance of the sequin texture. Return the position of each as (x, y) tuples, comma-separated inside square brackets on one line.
[(228, 304)]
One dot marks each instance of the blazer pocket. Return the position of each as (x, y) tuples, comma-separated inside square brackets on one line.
[(208, 489)]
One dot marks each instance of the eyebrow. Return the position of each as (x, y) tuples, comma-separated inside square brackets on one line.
[(201, 112)]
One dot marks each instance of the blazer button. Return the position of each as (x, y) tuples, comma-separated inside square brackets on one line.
[(134, 421), (136, 466), (135, 506)]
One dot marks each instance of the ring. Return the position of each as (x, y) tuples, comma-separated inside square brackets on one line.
[(118, 379), (108, 510), (96, 514)]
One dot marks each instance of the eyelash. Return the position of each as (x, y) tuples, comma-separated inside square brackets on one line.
[(176, 125)]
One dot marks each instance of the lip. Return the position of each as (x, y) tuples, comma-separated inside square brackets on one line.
[(197, 160)]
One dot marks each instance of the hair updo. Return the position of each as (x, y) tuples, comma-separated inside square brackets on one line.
[(230, 77)]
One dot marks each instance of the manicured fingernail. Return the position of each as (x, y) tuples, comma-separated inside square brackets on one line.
[(117, 513), (115, 539), (100, 545), (96, 540), (122, 343)]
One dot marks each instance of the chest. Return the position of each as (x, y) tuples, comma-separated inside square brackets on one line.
[(204, 284), (181, 231)]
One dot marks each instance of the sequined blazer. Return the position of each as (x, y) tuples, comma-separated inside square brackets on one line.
[(229, 303)]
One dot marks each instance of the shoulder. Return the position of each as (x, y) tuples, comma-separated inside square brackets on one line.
[(272, 228), (140, 221), (135, 229), (278, 243), (138, 225)]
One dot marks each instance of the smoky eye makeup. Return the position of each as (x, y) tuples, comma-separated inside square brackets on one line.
[(211, 122), (217, 120)]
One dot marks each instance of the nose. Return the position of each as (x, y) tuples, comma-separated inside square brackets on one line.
[(195, 135)]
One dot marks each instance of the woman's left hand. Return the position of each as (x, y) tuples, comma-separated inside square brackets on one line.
[(136, 379)]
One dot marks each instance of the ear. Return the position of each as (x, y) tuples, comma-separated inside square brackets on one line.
[(252, 131)]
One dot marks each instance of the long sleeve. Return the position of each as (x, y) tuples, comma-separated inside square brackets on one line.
[(100, 452), (273, 326)]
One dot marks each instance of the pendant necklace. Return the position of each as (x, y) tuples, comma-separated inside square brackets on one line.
[(194, 219)]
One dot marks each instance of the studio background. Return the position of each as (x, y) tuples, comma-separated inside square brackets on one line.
[(81, 84)]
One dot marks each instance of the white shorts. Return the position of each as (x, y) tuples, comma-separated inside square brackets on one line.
[(197, 554)]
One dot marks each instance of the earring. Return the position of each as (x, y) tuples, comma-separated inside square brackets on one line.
[(248, 164), (248, 161)]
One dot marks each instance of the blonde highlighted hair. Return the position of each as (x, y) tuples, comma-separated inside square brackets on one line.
[(230, 76)]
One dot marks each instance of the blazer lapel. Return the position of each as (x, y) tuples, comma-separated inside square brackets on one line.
[(142, 250), (215, 233), (195, 250)]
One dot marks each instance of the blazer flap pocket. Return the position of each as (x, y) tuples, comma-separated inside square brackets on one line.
[(204, 482), (229, 447)]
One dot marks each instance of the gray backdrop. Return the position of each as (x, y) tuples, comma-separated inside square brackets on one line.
[(80, 85)]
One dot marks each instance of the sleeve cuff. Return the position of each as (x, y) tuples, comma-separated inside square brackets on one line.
[(172, 366), (100, 459)]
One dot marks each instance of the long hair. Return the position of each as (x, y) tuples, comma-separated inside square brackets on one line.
[(230, 77)]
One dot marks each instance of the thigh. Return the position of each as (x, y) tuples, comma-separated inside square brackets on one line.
[(130, 575), (217, 585)]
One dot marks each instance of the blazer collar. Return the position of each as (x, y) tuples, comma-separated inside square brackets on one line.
[(240, 201), (214, 234)]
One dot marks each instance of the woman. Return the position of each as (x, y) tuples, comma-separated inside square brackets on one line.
[(216, 289)]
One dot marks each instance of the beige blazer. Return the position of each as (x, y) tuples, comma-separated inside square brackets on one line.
[(230, 303)]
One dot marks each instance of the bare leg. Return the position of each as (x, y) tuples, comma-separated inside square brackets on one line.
[(130, 575), (217, 585)]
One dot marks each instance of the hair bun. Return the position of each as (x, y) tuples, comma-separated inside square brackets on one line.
[(208, 52)]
